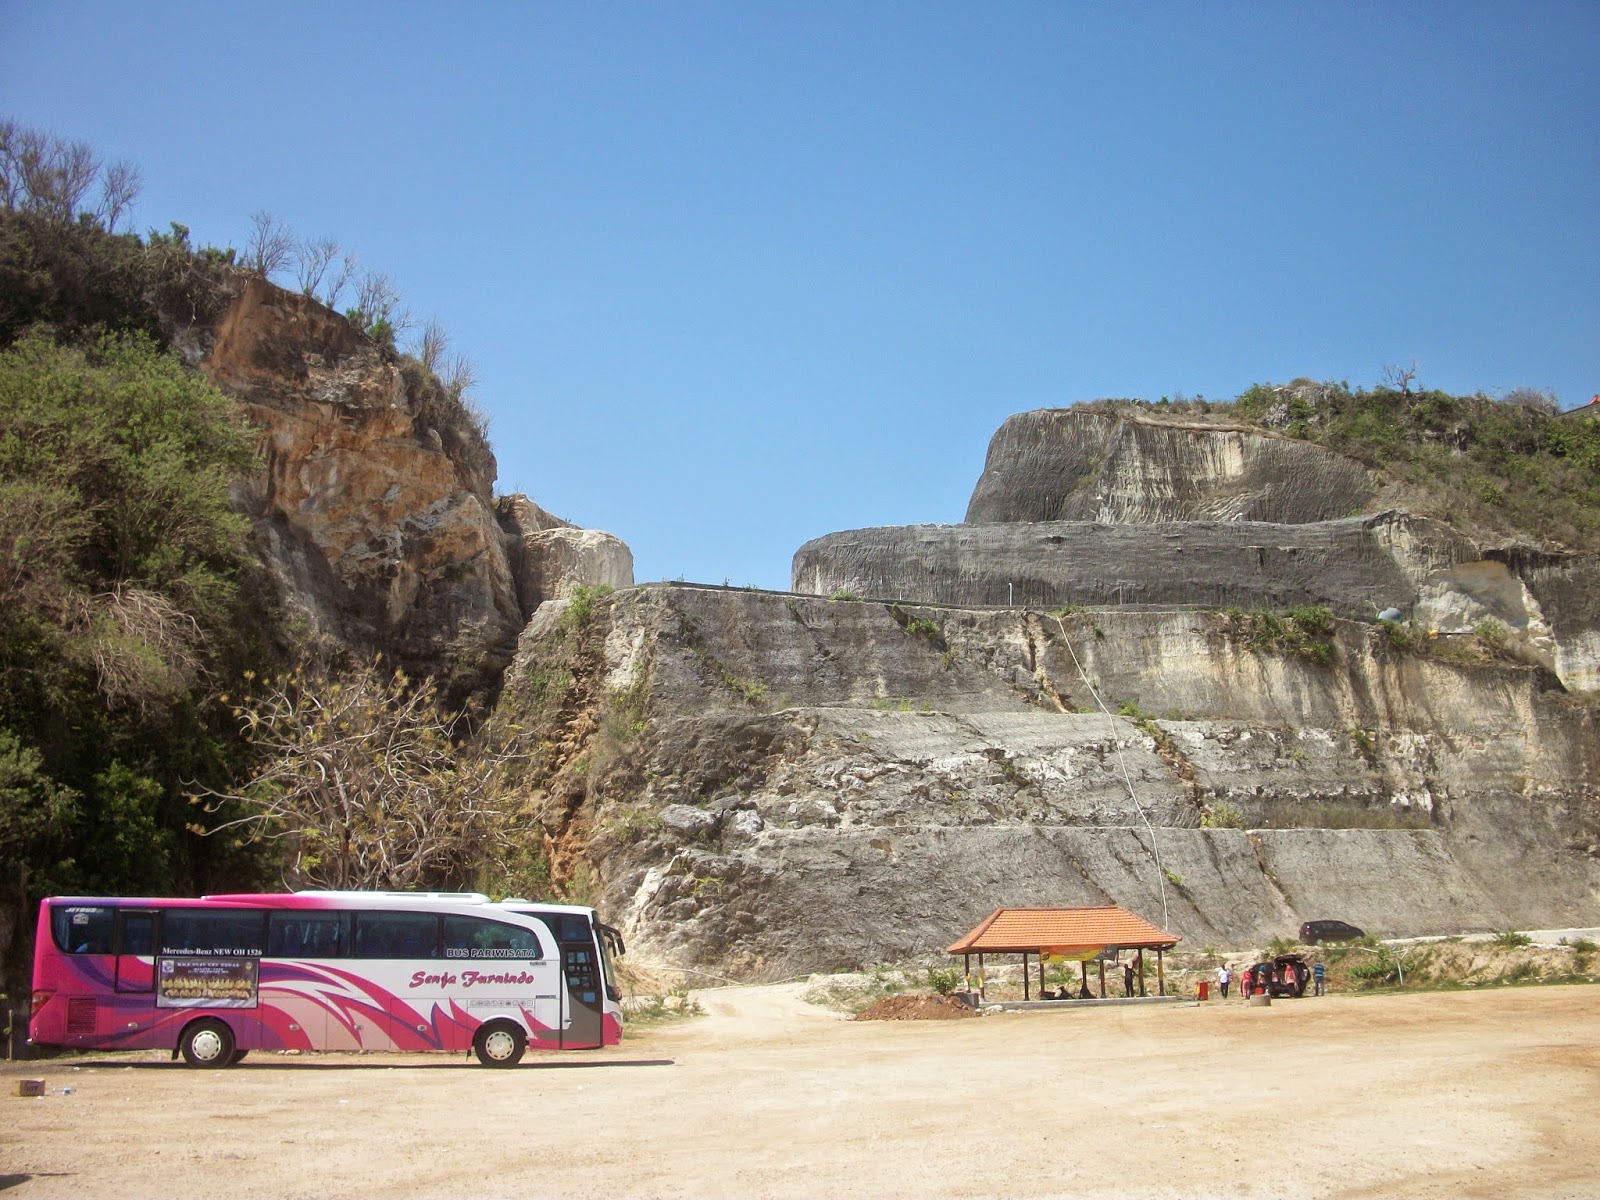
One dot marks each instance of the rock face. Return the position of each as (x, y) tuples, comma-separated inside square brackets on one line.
[(1174, 514), (1357, 566), (1068, 464), (550, 557), (765, 784), (375, 512)]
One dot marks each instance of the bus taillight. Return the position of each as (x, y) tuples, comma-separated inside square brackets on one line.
[(41, 997)]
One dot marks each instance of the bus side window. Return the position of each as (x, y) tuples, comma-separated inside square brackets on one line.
[(396, 935), (303, 935), (475, 937), (212, 931), (82, 930)]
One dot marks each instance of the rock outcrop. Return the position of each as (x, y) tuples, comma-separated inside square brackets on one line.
[(1088, 507), (765, 784), (1357, 567), (375, 511), (1073, 464), (550, 557)]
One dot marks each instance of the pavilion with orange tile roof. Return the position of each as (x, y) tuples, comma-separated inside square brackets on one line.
[(1066, 935)]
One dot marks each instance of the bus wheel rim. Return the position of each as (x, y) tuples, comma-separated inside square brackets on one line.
[(500, 1044), (206, 1044)]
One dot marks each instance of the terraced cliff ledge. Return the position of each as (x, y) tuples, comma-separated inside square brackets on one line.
[(763, 784)]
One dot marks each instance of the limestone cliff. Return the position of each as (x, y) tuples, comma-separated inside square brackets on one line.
[(769, 784), (1070, 464), (375, 510), (1090, 507)]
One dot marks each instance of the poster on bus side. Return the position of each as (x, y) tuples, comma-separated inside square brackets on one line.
[(206, 983)]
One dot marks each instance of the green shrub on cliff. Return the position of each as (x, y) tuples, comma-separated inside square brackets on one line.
[(1305, 632), (120, 605), (1509, 466)]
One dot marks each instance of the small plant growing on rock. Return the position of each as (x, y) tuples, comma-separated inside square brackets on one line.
[(1224, 814), (580, 609), (1511, 939), (1491, 633)]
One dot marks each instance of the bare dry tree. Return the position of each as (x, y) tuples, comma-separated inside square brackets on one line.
[(11, 193), (312, 260), (119, 188), (378, 302), (1533, 399), (460, 377), (1400, 378), (270, 246), (42, 173), (431, 346), (359, 776), (341, 280), (74, 168), (143, 647)]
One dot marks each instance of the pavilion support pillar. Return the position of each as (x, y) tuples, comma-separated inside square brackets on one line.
[(1161, 975), (1083, 970), (1141, 971), (981, 982), (1102, 979), (1026, 995)]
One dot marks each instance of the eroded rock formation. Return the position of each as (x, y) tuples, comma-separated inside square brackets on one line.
[(375, 511), (770, 784), (767, 784), (1097, 508), (1072, 464), (550, 557)]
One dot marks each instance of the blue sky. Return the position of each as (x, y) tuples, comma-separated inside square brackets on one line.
[(736, 275)]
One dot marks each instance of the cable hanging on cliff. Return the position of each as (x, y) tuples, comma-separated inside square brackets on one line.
[(1127, 779)]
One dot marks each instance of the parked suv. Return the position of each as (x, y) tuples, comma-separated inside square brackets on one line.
[(1285, 975), (1313, 932)]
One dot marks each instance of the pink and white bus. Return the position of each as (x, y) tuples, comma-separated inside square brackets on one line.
[(217, 977)]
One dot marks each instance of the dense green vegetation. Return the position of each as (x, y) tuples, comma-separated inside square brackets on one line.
[(1511, 466), (132, 599), (120, 601)]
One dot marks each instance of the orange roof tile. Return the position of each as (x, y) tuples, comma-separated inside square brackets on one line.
[(1015, 930)]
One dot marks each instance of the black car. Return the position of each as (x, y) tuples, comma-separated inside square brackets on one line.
[(1313, 932), (1285, 975)]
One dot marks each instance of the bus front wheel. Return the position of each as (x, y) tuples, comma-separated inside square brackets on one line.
[(499, 1044), (207, 1043)]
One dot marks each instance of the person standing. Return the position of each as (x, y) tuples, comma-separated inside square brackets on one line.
[(1316, 978), (1224, 977), (1127, 977)]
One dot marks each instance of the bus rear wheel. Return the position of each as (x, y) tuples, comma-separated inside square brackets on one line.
[(499, 1044), (207, 1043)]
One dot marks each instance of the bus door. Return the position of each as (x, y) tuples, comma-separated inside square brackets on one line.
[(136, 950), (580, 963), (133, 1004)]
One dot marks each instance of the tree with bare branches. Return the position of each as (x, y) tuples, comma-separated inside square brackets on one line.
[(48, 175), (1400, 378), (460, 377), (377, 308), (431, 346), (312, 260), (270, 247), (360, 777)]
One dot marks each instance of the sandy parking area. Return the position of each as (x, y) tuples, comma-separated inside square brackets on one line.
[(1492, 1094)]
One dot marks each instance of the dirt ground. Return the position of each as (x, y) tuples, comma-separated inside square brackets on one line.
[(1492, 1093)]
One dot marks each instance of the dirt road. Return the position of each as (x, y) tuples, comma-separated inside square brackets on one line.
[(1467, 1094)]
